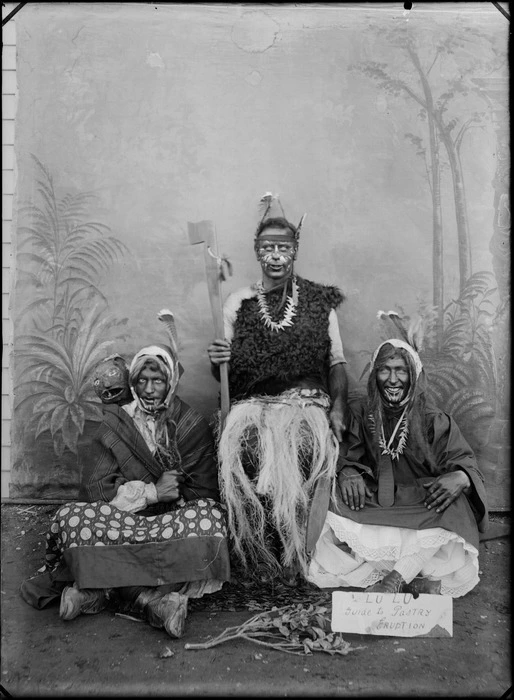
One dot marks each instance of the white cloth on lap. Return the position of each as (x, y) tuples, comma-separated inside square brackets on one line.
[(134, 495)]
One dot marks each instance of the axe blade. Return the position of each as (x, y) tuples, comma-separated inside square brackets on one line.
[(201, 232)]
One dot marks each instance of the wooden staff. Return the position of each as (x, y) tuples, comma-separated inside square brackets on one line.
[(205, 232), (317, 513)]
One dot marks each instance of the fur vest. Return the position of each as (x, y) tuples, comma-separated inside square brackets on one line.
[(266, 361)]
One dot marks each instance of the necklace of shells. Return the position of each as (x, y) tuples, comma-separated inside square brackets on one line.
[(289, 311), (403, 426)]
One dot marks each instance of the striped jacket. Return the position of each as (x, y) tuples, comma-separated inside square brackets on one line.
[(119, 454)]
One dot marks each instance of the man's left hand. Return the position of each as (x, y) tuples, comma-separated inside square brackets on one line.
[(337, 422), (446, 489)]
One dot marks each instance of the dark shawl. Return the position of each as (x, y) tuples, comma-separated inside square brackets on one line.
[(411, 471), (119, 454)]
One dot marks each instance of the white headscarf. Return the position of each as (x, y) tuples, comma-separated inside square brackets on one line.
[(397, 343), (171, 366)]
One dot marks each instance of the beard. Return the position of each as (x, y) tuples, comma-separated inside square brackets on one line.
[(393, 396)]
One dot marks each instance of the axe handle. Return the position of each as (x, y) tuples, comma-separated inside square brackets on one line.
[(317, 513), (224, 395), (214, 287)]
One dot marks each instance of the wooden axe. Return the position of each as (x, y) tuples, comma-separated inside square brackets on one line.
[(317, 513), (205, 232)]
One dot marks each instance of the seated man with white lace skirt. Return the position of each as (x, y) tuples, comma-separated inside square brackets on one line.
[(410, 499)]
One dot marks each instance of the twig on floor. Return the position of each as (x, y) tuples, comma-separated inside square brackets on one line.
[(128, 617)]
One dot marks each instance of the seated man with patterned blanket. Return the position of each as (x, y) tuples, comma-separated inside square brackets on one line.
[(410, 500), (149, 531)]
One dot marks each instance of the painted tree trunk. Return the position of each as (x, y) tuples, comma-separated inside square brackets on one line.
[(461, 215), (437, 233), (437, 222)]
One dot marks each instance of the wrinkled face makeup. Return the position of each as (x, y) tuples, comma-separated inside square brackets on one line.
[(393, 380), (276, 253), (151, 387)]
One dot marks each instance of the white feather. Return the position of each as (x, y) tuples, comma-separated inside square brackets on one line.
[(416, 333), (167, 317)]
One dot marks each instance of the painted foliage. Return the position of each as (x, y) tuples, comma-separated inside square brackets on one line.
[(458, 351), (462, 364), (61, 254)]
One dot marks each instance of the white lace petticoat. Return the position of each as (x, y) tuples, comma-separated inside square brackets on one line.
[(350, 554)]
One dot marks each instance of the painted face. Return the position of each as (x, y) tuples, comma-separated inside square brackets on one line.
[(151, 387), (276, 254), (393, 380)]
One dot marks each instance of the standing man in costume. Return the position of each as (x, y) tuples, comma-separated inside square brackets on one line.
[(411, 499), (150, 484), (288, 388)]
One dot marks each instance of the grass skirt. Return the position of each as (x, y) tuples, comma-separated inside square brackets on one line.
[(272, 452)]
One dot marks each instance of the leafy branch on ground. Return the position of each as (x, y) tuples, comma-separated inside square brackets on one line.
[(294, 629)]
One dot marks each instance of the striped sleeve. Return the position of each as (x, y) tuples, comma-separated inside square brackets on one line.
[(196, 447), (101, 476)]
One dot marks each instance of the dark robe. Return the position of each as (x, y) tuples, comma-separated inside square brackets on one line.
[(465, 516)]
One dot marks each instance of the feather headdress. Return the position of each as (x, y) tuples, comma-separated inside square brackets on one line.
[(167, 317), (268, 204), (299, 227), (409, 338), (413, 333), (265, 204)]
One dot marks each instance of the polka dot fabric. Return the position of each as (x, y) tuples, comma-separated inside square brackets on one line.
[(101, 524)]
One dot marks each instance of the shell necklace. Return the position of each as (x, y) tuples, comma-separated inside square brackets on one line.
[(401, 425), (289, 311)]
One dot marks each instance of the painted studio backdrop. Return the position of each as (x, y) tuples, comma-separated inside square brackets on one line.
[(388, 128)]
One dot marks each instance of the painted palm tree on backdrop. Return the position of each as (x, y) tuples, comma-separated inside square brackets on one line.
[(447, 107)]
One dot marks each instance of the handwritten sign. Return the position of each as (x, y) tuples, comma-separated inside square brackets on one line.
[(392, 614)]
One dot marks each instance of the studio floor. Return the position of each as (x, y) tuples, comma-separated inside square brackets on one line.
[(106, 654)]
